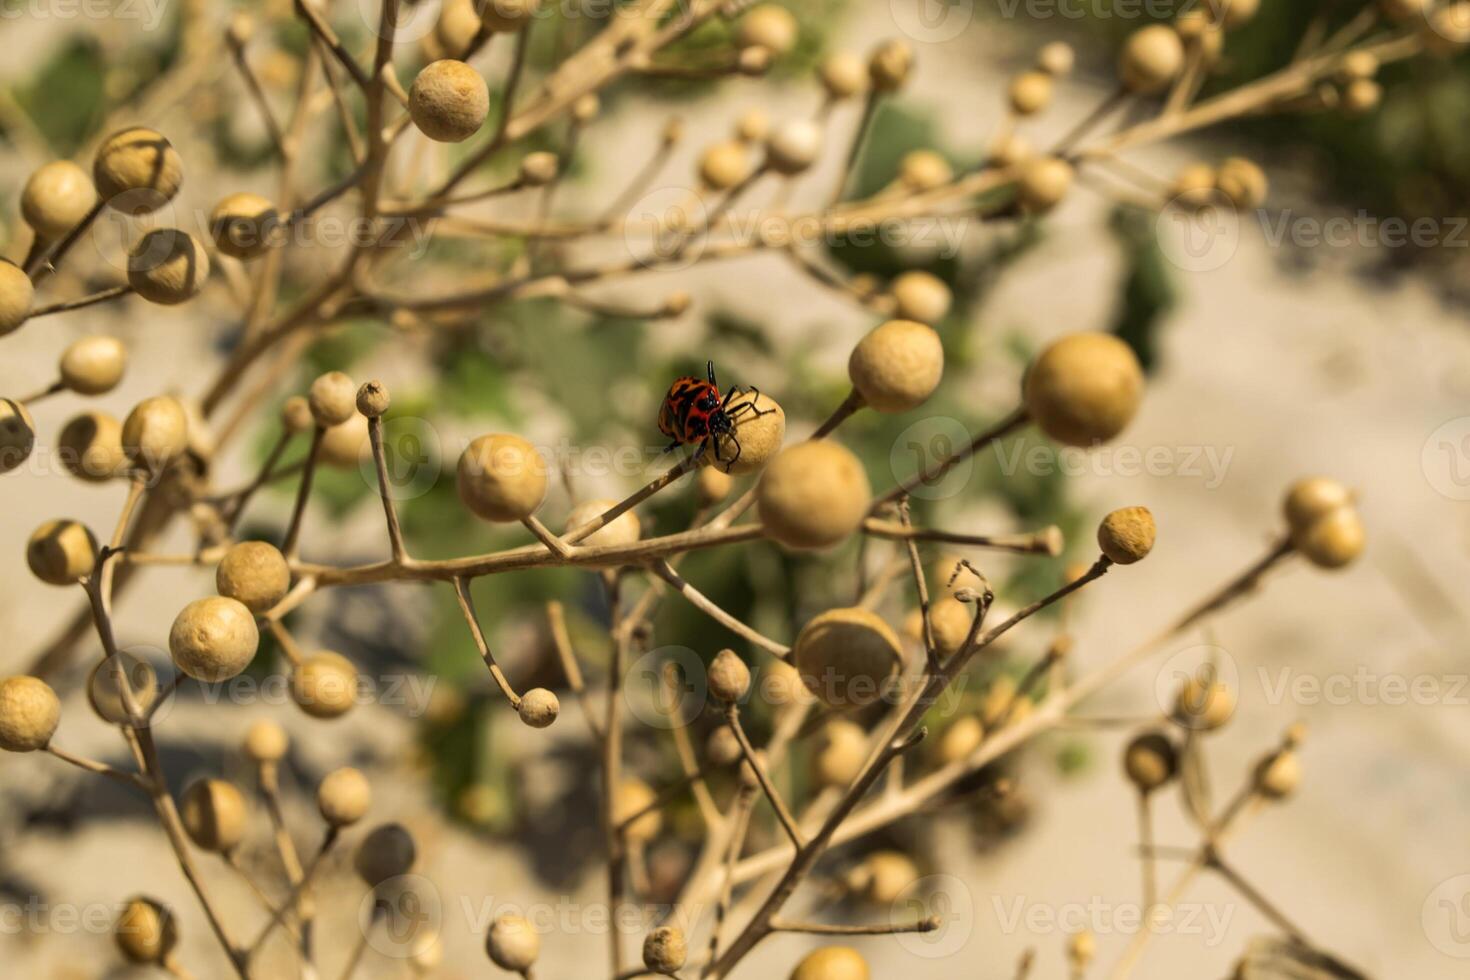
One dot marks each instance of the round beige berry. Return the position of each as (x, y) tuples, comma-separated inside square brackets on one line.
[(502, 16), (213, 639), (324, 685), (950, 620), (449, 101), (843, 75), (712, 485), (889, 65), (620, 532), (1081, 949), (883, 877), (333, 399), (1009, 151), (29, 714), (729, 678), (1084, 388), (502, 478), (1333, 540), (1193, 186), (1204, 705), (1150, 761), (832, 963), (634, 796), (244, 226), (344, 797), (897, 366), (16, 294), (920, 296), (93, 365), (959, 740), (1152, 57), (167, 267), (1030, 92), (137, 171), (1042, 184), (1127, 535), (296, 414), (1356, 65), (724, 165), (1242, 182), (1279, 776), (17, 434), (753, 126), (539, 708), (846, 656), (841, 750), (456, 27), (924, 170), (373, 399), (56, 198), (146, 931), (155, 433), (665, 950), (813, 495), (768, 26), (794, 146), (255, 573), (1361, 96), (343, 446), (213, 812), (90, 446), (1057, 59), (539, 169), (105, 694), (1312, 498), (759, 435), (1234, 13), (61, 552), (386, 853), (266, 741), (513, 943)]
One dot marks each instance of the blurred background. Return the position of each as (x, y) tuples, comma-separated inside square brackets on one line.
[(1285, 351)]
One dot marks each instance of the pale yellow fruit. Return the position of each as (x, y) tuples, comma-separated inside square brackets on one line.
[(266, 741), (729, 678), (244, 226), (507, 15), (1152, 57), (768, 26), (723, 165), (781, 684), (513, 943), (254, 573), (324, 685), (832, 963), (1009, 151), (1242, 182), (61, 552), (1043, 183), (105, 694), (155, 433), (631, 797), (722, 748), (759, 436), (16, 296), (1085, 388), (959, 740), (897, 366), (17, 434), (753, 126), (1279, 776), (950, 620), (373, 399), (146, 931), (168, 267), (1150, 761), (456, 27), (1194, 186), (386, 853), (1204, 705), (1333, 540), (296, 414), (539, 169), (841, 750), (56, 198), (333, 399), (213, 639), (712, 485), (1127, 535), (502, 478), (794, 146), (1030, 92), (539, 708), (29, 714), (813, 495), (1357, 64), (93, 365), (344, 796), (137, 171), (883, 877), (1235, 13), (843, 75), (924, 170), (1448, 30), (1361, 96), (1056, 58), (344, 446), (586, 108), (847, 656), (214, 814), (920, 296), (890, 65), (1082, 949), (90, 446), (449, 101), (1311, 498)]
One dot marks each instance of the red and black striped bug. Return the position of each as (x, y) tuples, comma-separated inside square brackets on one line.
[(693, 413)]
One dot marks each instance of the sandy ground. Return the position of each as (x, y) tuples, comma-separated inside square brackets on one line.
[(1267, 374)]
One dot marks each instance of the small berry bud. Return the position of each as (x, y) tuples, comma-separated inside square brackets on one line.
[(344, 797), (296, 414), (840, 753), (539, 708), (266, 741), (324, 685), (332, 398), (621, 531), (372, 399), (1203, 705), (146, 931), (93, 365), (959, 740), (813, 495), (1127, 535), (1150, 761), (1030, 92), (665, 950), (513, 943), (213, 639), (16, 295), (712, 485), (832, 963), (449, 101), (90, 446), (1333, 540), (244, 226), (255, 573), (1279, 775), (843, 75), (502, 478), (722, 748), (767, 26), (1043, 183), (1152, 57), (794, 146), (724, 165), (1242, 182), (213, 812), (890, 65), (61, 552), (882, 878), (168, 267), (897, 366), (137, 171), (729, 678), (633, 796), (1084, 388), (1057, 59), (759, 432), (105, 696), (924, 170), (502, 16), (29, 714), (17, 434), (56, 198), (539, 169), (155, 433)]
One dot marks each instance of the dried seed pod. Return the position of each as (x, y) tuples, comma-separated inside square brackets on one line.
[(90, 446), (841, 751), (513, 943), (1204, 705), (1242, 182), (882, 878), (843, 75), (1193, 186), (502, 478), (890, 64), (146, 931), (254, 573), (1042, 183), (712, 485), (813, 495), (168, 267), (93, 365), (724, 165), (1056, 58), (729, 678), (924, 170), (665, 950), (1333, 540), (722, 748), (959, 740), (244, 226), (29, 714), (634, 796), (57, 196), (213, 639), (760, 436), (373, 399), (137, 171), (344, 446), (16, 295), (155, 433), (1152, 57), (897, 366), (266, 741), (540, 168), (1127, 535), (61, 552), (1030, 92), (333, 399), (846, 656), (539, 708), (214, 814), (794, 146), (344, 797), (17, 434), (502, 16), (105, 696), (385, 853), (1084, 388), (324, 685), (1279, 775), (832, 963), (449, 101), (1150, 761)]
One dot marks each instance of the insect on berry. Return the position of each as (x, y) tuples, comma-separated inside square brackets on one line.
[(694, 414)]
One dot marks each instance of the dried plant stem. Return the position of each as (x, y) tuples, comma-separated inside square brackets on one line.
[(935, 471), (926, 924), (467, 607), (101, 768), (101, 296), (390, 513), (704, 604), (290, 546), (763, 778)]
